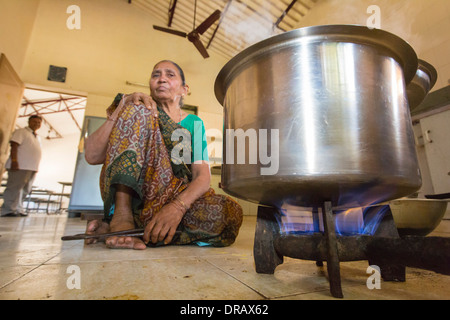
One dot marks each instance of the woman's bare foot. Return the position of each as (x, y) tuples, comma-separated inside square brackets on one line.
[(96, 227), (123, 221)]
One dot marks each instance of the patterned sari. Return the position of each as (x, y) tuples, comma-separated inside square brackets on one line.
[(138, 157)]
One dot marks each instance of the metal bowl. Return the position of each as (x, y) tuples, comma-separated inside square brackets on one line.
[(417, 216)]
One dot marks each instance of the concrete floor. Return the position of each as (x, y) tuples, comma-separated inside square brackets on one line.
[(36, 264)]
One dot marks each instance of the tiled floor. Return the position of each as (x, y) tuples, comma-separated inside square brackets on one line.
[(36, 264)]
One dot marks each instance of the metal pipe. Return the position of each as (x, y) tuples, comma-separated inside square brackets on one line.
[(429, 253)]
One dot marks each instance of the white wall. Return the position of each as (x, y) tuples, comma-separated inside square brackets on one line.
[(16, 25), (58, 162)]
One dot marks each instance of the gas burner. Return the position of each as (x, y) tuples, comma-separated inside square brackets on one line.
[(385, 248)]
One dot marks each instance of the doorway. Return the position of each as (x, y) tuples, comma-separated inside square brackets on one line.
[(62, 116)]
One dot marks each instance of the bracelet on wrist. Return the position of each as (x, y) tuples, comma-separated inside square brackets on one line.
[(181, 202), (178, 206)]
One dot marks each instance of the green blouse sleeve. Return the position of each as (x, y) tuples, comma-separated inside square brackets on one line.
[(199, 144)]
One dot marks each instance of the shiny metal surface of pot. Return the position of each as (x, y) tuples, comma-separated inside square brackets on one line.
[(422, 83), (335, 96)]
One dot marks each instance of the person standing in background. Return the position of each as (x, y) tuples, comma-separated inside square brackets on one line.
[(22, 166)]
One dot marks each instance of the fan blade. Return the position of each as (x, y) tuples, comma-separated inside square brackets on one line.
[(200, 47), (208, 22), (175, 32)]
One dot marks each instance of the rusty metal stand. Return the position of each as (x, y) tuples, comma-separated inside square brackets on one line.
[(382, 247), (334, 275), (267, 258), (389, 271), (316, 227), (267, 230)]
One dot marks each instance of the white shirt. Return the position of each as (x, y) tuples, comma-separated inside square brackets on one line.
[(29, 151)]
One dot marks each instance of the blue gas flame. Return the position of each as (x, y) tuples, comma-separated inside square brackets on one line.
[(352, 221)]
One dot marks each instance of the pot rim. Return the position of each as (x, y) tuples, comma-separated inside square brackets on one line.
[(400, 49), (420, 200), (429, 70)]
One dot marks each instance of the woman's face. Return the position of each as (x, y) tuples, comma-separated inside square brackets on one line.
[(166, 84)]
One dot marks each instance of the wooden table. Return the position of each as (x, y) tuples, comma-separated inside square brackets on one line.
[(62, 194)]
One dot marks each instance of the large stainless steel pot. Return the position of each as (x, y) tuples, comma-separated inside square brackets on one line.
[(336, 95)]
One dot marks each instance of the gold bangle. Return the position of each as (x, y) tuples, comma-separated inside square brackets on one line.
[(182, 203), (178, 206)]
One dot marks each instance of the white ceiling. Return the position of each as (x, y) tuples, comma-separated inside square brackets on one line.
[(242, 22), (63, 114)]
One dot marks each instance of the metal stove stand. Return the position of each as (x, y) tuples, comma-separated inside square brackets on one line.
[(385, 248)]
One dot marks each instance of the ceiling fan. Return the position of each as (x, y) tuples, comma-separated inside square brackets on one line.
[(194, 35)]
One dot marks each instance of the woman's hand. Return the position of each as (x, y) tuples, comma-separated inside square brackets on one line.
[(164, 224), (139, 98), (97, 142)]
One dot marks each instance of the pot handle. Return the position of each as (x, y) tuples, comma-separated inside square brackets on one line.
[(438, 196), (427, 136)]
